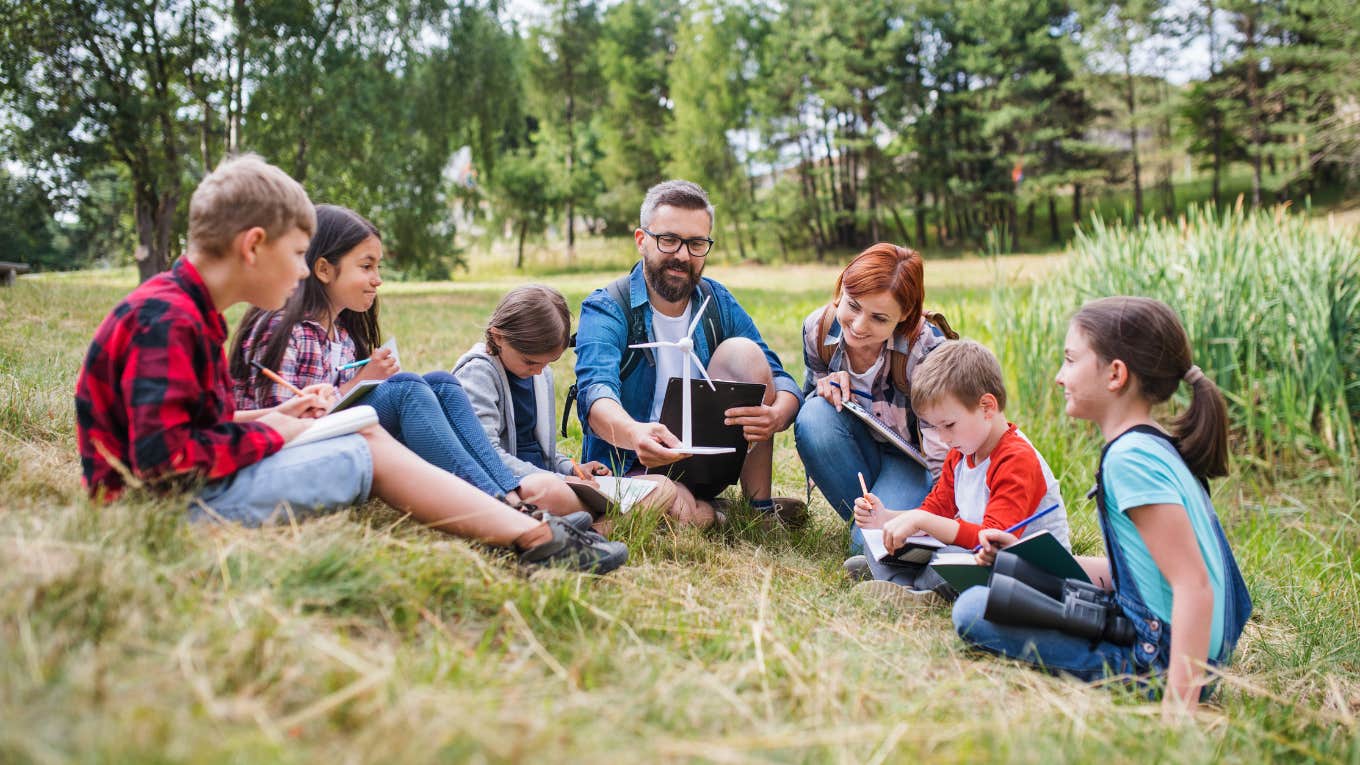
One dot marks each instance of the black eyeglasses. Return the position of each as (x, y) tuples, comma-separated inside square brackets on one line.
[(669, 244)]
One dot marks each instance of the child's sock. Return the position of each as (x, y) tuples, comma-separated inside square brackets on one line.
[(763, 505), (534, 537)]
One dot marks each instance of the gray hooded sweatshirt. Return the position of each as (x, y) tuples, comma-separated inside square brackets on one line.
[(484, 380)]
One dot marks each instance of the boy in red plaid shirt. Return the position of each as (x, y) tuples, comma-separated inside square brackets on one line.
[(154, 401)]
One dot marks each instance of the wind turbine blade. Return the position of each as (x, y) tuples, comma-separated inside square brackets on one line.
[(698, 318), (702, 371), (653, 345)]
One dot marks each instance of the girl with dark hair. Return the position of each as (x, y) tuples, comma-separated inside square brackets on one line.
[(1168, 565), (864, 346), (332, 321)]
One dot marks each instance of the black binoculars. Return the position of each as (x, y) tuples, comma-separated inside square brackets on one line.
[(1024, 595)]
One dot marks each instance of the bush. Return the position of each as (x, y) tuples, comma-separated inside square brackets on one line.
[(1271, 302)]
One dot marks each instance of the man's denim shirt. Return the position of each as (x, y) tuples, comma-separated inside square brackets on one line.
[(602, 339)]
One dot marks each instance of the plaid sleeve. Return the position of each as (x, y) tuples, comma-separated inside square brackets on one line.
[(169, 432), (303, 364)]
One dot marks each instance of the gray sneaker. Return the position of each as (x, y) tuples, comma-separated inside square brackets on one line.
[(857, 568), (896, 596), (575, 549), (579, 520)]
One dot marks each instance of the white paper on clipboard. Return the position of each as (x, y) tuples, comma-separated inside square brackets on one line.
[(891, 436)]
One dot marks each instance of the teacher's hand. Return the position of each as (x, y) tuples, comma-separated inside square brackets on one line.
[(758, 423), (653, 441), (827, 388)]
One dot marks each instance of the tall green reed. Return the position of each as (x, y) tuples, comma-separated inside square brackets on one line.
[(1271, 302)]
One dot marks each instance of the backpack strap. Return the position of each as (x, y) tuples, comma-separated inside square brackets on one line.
[(620, 291)]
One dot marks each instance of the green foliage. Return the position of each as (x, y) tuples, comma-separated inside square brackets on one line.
[(1272, 306), (523, 195)]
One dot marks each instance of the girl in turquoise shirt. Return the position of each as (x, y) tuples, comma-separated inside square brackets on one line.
[(1167, 564)]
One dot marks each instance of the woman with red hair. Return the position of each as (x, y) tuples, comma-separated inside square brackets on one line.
[(863, 346)]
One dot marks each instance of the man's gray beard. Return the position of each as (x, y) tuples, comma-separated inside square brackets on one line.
[(669, 292)]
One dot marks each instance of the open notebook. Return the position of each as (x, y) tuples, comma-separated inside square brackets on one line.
[(918, 549), (624, 492), (338, 424)]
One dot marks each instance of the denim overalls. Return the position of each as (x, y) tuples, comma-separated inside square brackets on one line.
[(1149, 655)]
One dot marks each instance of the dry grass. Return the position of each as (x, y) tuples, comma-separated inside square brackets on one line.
[(126, 635)]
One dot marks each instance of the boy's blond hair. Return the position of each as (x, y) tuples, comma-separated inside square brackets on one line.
[(242, 193), (963, 369)]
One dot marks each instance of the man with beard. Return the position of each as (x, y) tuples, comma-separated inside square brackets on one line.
[(620, 400)]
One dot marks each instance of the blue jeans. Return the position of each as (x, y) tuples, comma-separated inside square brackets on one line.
[(298, 482), (1050, 650), (834, 446), (432, 416)]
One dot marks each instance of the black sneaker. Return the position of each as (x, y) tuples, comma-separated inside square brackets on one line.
[(572, 548)]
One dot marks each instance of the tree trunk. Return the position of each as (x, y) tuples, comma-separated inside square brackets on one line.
[(901, 227), (1131, 101), (1076, 204), (236, 98), (920, 215), (1217, 118), (1253, 99), (155, 215), (1053, 218), (519, 254)]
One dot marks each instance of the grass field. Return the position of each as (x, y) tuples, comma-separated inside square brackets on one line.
[(126, 635)]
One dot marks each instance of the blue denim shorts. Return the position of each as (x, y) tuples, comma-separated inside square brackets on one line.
[(306, 480)]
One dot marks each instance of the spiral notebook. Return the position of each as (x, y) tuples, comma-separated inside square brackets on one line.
[(891, 436)]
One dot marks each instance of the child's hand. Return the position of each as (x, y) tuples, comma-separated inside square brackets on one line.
[(382, 365), (308, 406), (991, 540), (288, 426), (870, 512), (898, 529), (594, 467)]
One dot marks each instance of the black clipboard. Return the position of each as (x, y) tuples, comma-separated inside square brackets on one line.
[(708, 474)]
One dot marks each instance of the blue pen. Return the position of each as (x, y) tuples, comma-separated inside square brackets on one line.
[(855, 391), (1028, 520), (354, 364)]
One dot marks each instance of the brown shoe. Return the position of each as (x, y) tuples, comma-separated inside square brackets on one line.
[(791, 512)]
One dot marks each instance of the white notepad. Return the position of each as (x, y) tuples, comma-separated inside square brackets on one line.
[(343, 423)]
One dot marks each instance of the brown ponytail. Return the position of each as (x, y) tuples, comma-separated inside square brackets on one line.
[(1148, 337)]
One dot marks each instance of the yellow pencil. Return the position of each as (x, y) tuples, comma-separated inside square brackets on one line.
[(271, 374), (577, 469)]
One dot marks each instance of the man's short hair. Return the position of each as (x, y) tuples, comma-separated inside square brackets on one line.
[(963, 369), (686, 195), (242, 193)]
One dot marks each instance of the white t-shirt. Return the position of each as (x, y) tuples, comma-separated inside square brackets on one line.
[(669, 361), (863, 380)]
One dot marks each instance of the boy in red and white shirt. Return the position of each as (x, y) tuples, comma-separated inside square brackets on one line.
[(993, 477)]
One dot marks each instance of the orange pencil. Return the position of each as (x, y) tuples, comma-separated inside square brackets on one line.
[(271, 374), (577, 469), (862, 487)]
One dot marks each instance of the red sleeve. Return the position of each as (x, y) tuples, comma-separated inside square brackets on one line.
[(1015, 487), (940, 500), (167, 431)]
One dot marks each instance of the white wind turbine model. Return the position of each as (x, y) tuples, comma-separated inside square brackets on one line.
[(686, 346)]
